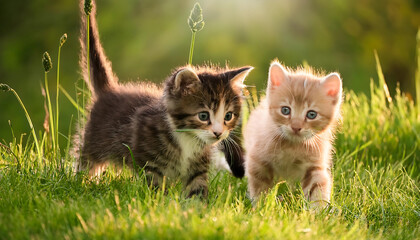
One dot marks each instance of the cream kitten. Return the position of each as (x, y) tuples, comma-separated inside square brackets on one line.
[(288, 137)]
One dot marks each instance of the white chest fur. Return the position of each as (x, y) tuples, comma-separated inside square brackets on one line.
[(288, 165), (189, 148)]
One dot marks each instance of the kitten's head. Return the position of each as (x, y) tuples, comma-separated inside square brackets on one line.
[(205, 102), (301, 103)]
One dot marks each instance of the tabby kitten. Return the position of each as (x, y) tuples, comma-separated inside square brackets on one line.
[(171, 130), (288, 137)]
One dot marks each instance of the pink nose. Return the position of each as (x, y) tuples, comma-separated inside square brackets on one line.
[(296, 130), (217, 134)]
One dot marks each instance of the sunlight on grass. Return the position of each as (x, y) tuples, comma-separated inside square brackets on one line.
[(376, 175), (376, 193)]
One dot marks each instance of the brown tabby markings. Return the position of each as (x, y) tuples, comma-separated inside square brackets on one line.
[(146, 117), (290, 145)]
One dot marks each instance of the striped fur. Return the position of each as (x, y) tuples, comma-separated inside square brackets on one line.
[(160, 124)]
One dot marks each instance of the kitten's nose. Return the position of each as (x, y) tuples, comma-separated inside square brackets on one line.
[(217, 134), (296, 130)]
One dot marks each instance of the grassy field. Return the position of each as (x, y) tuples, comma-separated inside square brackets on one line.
[(376, 190)]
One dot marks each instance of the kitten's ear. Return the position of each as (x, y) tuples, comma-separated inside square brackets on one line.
[(185, 80), (276, 75), (332, 85), (238, 77)]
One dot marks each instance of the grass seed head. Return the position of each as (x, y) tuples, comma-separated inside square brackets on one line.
[(196, 21), (88, 7), (46, 61), (4, 87), (63, 39)]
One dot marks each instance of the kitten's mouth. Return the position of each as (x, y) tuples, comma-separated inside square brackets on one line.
[(295, 137), (298, 137), (214, 141)]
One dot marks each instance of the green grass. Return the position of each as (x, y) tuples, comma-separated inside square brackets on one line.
[(375, 196), (376, 191)]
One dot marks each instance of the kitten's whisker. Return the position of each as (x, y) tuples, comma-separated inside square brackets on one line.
[(229, 148), (281, 135), (236, 130), (236, 146), (275, 146), (232, 145), (274, 139), (198, 141), (315, 142)]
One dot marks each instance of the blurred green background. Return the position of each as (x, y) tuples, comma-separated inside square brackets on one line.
[(146, 39)]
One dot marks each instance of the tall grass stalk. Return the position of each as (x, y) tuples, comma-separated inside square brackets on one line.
[(47, 67), (196, 24), (81, 119), (191, 48), (87, 56), (88, 10), (6, 88), (73, 102), (63, 39)]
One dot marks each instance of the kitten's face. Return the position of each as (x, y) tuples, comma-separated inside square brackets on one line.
[(206, 105), (302, 105)]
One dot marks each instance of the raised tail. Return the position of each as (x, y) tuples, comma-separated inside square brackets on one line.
[(102, 79)]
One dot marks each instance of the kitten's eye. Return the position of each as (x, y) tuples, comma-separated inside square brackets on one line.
[(311, 114), (285, 110), (203, 116), (228, 116)]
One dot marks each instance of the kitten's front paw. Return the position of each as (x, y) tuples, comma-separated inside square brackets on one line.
[(201, 192)]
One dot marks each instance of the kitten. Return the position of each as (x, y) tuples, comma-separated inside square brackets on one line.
[(289, 135), (232, 158), (171, 130)]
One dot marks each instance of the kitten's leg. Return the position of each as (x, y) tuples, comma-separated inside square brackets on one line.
[(79, 165), (317, 184), (96, 169), (260, 178), (86, 162), (196, 184)]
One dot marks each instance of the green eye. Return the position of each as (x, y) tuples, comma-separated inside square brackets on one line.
[(285, 110), (203, 116), (228, 116), (311, 114)]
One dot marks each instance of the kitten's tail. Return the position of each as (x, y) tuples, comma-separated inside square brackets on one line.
[(102, 79)]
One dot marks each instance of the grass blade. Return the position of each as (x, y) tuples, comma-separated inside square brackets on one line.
[(79, 109)]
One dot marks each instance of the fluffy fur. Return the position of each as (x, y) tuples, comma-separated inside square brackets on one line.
[(170, 129), (289, 136)]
